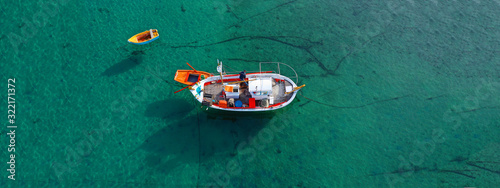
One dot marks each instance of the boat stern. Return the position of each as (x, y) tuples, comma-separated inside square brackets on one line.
[(197, 90)]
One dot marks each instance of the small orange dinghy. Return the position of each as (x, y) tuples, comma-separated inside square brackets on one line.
[(189, 77)]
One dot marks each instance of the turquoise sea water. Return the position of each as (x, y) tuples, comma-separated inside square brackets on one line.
[(399, 94)]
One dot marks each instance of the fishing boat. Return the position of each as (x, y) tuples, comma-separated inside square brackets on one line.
[(144, 37), (260, 91), (189, 77)]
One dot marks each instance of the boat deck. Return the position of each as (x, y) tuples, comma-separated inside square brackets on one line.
[(213, 92)]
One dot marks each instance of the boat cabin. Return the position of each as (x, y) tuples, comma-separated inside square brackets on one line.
[(261, 88)]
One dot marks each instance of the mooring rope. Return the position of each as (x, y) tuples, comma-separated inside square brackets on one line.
[(312, 100)]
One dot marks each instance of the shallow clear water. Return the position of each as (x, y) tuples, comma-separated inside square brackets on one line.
[(399, 94)]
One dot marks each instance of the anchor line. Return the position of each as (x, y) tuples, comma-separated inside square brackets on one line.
[(359, 106)]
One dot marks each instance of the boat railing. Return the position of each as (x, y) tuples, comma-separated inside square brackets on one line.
[(236, 72), (279, 70), (224, 72)]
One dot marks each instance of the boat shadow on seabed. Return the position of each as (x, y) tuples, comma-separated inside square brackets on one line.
[(125, 65), (202, 137)]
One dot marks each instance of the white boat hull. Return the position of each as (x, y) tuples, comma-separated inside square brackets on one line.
[(198, 91)]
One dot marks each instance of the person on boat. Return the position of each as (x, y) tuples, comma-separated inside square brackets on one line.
[(243, 75)]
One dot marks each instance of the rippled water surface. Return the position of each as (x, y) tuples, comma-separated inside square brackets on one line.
[(398, 94)]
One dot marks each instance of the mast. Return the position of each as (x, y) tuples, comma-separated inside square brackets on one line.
[(219, 69)]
